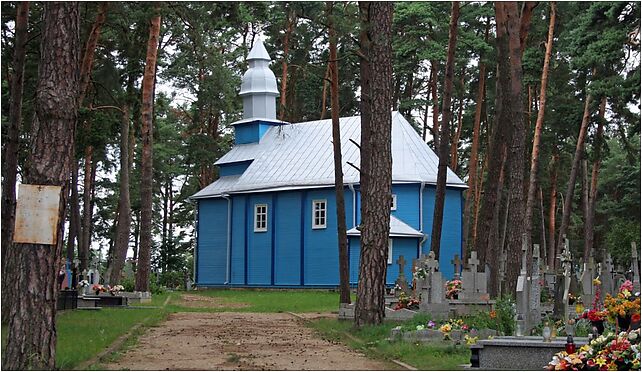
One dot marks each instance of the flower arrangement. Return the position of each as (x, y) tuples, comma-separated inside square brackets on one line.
[(606, 352), (624, 303), (98, 288), (453, 324), (83, 283), (115, 289), (453, 287), (594, 315), (420, 273), (406, 302)]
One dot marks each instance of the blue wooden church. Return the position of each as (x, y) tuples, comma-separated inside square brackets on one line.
[(270, 219)]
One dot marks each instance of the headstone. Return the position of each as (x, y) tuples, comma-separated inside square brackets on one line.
[(431, 288), (474, 283), (566, 266), (401, 279), (522, 299), (636, 268), (588, 274), (608, 285), (535, 315), (456, 261)]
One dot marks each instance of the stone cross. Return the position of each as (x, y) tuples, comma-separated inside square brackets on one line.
[(473, 262), (636, 270), (432, 265), (457, 263), (535, 289), (524, 249), (566, 265), (401, 262)]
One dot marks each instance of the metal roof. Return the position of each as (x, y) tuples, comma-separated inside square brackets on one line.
[(397, 228), (300, 155), (258, 51)]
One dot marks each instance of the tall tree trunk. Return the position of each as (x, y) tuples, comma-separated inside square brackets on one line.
[(74, 213), (10, 156), (471, 193), (444, 133), (289, 26), (342, 238), (124, 206), (539, 124), (376, 158), (579, 149), (552, 212), (31, 342), (149, 77), (434, 70), (90, 51), (85, 225), (324, 94), (516, 150), (589, 229), (424, 132), (525, 23), (455, 142)]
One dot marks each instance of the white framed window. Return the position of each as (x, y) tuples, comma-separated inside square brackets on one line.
[(389, 251), (393, 207), (260, 217), (319, 214)]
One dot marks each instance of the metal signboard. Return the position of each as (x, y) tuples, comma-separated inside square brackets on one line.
[(37, 214)]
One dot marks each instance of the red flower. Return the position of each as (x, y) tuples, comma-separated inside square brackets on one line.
[(635, 318)]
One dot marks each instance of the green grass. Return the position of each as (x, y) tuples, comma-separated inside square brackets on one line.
[(266, 301), (371, 340), (82, 334)]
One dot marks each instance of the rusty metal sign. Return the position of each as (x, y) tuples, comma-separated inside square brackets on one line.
[(37, 214)]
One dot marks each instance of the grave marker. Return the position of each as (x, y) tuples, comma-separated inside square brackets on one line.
[(457, 263), (401, 278), (636, 269)]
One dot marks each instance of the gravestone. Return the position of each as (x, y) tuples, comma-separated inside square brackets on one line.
[(588, 274), (473, 282), (522, 299), (567, 265), (431, 288), (456, 261), (535, 315), (608, 284), (401, 279), (636, 268)]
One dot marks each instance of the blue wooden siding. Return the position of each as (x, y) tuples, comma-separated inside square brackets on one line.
[(212, 241), (251, 132), (239, 239), (231, 169), (287, 263), (321, 259), (451, 233), (407, 204), (259, 252), (291, 253), (400, 246)]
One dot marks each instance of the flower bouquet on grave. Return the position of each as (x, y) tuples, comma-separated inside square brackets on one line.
[(624, 306), (115, 289), (606, 352), (97, 288), (453, 287), (406, 302), (420, 273), (596, 315)]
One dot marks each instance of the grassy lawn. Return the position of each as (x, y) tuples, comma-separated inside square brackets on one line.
[(83, 334), (371, 341), (265, 301)]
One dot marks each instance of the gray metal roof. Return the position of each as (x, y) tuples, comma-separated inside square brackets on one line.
[(397, 228), (300, 155), (258, 51)]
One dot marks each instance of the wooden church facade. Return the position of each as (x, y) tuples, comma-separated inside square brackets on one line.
[(270, 219)]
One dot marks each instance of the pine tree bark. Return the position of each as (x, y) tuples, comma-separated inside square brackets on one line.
[(342, 237), (589, 228), (124, 206), (90, 52), (444, 133), (539, 124), (469, 206), (74, 213), (552, 212), (579, 149), (434, 70), (10, 156), (376, 158), (85, 224), (31, 342), (289, 27), (149, 77), (516, 150), (454, 145)]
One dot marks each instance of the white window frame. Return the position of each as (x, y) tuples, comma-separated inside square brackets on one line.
[(393, 207), (257, 215), (389, 251), (316, 202)]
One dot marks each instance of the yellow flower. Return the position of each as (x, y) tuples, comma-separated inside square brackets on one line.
[(585, 348), (612, 367), (597, 281), (626, 293), (600, 361)]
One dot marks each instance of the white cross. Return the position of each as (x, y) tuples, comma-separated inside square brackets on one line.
[(473, 261)]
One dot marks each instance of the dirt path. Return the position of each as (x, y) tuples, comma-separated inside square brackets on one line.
[(238, 341)]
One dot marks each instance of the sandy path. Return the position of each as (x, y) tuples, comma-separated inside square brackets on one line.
[(238, 341)]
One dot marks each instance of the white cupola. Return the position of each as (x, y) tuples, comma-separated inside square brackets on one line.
[(258, 87)]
